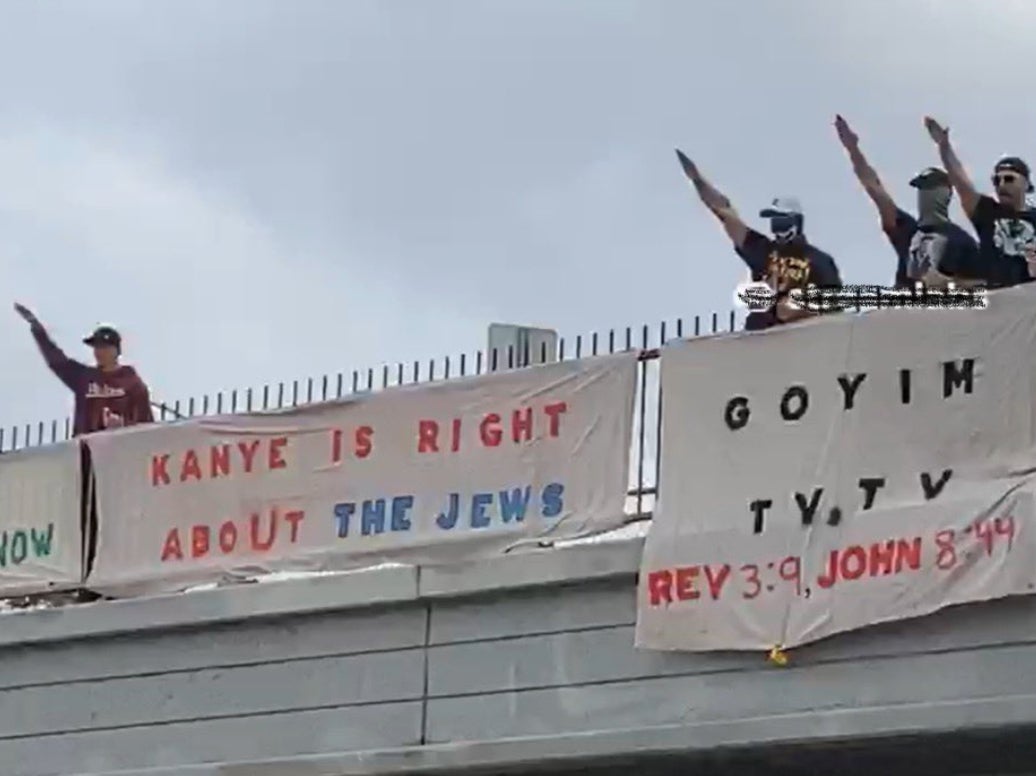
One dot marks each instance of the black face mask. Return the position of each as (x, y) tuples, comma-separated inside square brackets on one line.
[(786, 229)]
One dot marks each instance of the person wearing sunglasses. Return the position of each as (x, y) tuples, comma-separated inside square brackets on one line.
[(930, 249), (785, 262), (1006, 226)]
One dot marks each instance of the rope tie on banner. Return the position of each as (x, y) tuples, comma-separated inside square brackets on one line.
[(778, 656)]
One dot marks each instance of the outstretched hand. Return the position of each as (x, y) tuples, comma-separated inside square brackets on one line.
[(845, 133), (690, 169), (26, 314), (938, 132)]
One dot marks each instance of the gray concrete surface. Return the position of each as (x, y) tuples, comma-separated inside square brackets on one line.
[(523, 662)]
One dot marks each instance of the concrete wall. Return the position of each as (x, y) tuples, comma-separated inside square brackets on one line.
[(516, 660)]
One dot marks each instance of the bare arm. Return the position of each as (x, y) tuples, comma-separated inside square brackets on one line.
[(969, 197), (866, 175), (716, 202)]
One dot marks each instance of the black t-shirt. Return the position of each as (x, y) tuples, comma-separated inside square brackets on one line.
[(1004, 236), (791, 265), (945, 248)]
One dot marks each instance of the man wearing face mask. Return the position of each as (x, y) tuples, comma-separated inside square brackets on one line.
[(1006, 226), (785, 262), (931, 249)]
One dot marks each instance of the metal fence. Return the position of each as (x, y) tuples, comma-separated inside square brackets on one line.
[(645, 452)]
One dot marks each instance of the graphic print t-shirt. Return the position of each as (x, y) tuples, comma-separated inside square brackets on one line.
[(945, 248), (1005, 236), (785, 266)]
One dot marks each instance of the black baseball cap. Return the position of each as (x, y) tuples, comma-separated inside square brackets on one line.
[(104, 335), (1014, 164), (930, 178)]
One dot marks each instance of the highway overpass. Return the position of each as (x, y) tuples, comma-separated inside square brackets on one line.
[(514, 665)]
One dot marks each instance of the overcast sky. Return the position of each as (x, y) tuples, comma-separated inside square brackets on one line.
[(256, 191)]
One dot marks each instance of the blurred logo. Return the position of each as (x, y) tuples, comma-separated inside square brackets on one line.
[(757, 296)]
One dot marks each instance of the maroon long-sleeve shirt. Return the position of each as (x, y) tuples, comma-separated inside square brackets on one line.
[(121, 390)]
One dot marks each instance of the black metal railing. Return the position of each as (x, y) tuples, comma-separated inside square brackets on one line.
[(647, 424)]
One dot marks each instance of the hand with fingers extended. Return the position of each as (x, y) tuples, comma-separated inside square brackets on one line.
[(845, 133), (713, 199), (938, 133), (690, 168), (26, 314)]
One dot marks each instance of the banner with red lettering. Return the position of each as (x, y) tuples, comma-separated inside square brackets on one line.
[(41, 547), (428, 473), (831, 474)]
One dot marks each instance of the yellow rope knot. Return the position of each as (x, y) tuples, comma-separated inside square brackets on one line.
[(778, 656)]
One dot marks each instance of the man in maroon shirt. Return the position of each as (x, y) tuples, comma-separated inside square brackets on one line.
[(108, 395)]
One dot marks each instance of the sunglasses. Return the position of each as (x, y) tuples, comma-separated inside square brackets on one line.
[(1005, 178)]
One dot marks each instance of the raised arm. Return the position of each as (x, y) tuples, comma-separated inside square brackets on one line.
[(715, 201), (969, 197), (66, 369), (866, 174)]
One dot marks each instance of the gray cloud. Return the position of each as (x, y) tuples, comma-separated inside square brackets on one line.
[(261, 190)]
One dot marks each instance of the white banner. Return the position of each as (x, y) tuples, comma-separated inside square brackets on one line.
[(427, 473), (41, 546), (825, 476)]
